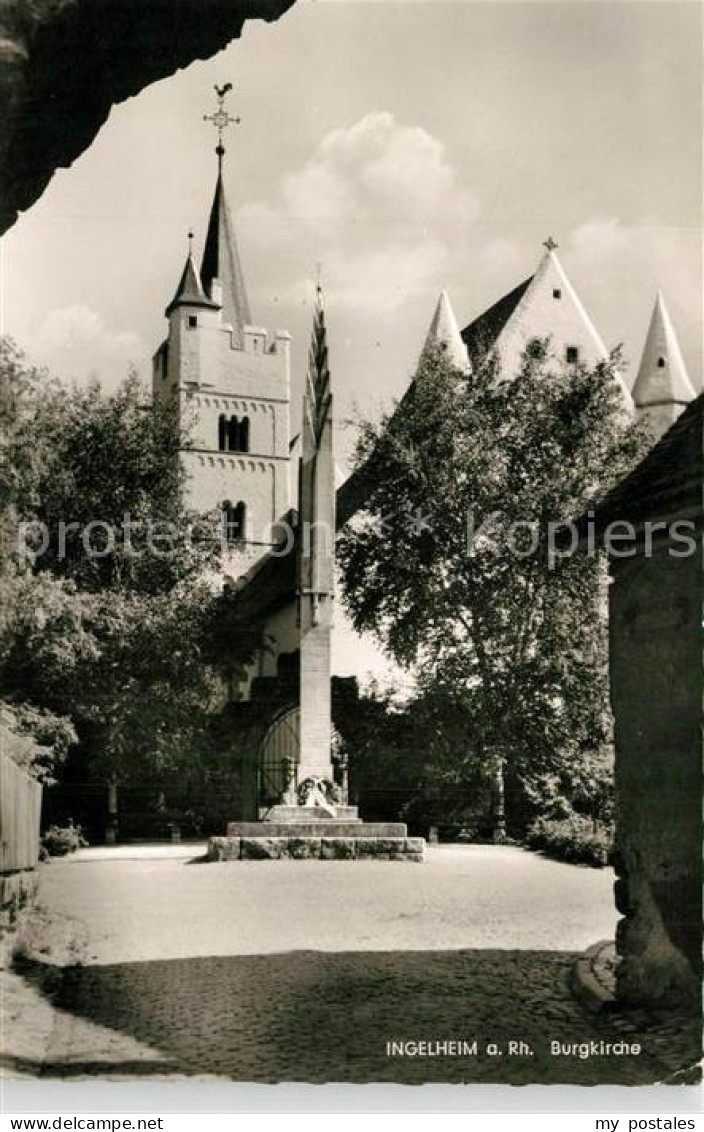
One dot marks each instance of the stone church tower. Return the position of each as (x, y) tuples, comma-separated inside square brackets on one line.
[(231, 382)]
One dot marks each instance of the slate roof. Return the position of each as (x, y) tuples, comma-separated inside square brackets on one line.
[(480, 335), (221, 260), (190, 289)]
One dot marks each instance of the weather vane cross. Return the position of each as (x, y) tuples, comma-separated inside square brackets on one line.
[(550, 244), (220, 118)]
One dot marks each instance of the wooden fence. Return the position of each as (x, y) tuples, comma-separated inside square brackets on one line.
[(20, 813)]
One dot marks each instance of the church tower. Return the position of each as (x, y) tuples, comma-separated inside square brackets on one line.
[(231, 382), (662, 388)]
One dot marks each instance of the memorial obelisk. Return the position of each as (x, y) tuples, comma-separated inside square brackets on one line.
[(316, 558)]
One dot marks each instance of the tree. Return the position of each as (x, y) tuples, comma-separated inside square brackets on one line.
[(132, 645), (455, 562), (103, 499)]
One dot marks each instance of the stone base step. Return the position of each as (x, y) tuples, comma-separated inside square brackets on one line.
[(327, 828), (279, 814), (320, 848)]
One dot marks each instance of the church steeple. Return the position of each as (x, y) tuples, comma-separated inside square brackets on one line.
[(221, 258), (221, 261), (230, 385)]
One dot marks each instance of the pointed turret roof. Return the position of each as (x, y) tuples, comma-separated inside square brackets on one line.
[(445, 331), (190, 289), (221, 261), (662, 375)]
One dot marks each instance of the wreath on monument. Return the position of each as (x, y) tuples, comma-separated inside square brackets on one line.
[(311, 786)]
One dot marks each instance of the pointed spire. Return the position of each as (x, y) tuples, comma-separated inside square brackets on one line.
[(221, 261), (662, 375), (445, 331), (190, 289)]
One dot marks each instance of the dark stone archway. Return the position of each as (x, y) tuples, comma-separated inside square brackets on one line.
[(65, 63)]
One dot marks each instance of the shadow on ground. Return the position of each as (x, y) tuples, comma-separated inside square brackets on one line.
[(327, 1016)]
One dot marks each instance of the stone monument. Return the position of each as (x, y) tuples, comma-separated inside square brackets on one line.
[(313, 819)]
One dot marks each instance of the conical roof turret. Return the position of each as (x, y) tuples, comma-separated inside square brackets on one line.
[(444, 331), (190, 289), (662, 375)]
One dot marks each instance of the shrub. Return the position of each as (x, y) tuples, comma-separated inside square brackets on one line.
[(576, 839), (60, 840)]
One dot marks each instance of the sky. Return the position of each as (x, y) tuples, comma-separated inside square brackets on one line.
[(406, 147)]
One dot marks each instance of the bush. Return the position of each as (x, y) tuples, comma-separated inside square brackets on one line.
[(576, 839), (60, 840)]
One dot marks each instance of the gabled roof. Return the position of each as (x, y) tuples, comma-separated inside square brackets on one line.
[(544, 306), (445, 331), (221, 260), (480, 335), (662, 375), (190, 289)]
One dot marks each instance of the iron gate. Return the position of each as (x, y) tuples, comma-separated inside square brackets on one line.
[(280, 749)]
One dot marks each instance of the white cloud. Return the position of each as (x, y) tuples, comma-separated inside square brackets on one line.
[(377, 170), (378, 204), (77, 344), (621, 267), (377, 283)]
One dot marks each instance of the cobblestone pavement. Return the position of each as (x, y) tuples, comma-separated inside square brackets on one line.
[(203, 971)]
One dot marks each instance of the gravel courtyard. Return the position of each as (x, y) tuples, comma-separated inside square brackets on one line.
[(304, 970)]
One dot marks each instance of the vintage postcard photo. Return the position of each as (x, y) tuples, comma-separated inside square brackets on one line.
[(351, 558)]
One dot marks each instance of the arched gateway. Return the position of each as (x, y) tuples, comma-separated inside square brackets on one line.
[(279, 751)]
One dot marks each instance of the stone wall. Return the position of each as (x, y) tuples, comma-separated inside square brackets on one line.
[(656, 650), (20, 812), (655, 643)]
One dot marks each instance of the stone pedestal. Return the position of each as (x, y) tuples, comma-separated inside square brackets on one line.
[(333, 847), (304, 832), (287, 814)]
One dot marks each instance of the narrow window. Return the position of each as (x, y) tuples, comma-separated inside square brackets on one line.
[(557, 293), (240, 519), (244, 434), (233, 521), (572, 355), (661, 363), (233, 438), (192, 321), (222, 432)]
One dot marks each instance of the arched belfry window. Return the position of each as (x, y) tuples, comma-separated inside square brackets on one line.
[(661, 363), (234, 519), (233, 434)]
